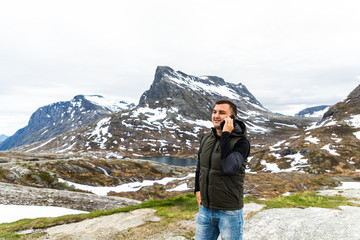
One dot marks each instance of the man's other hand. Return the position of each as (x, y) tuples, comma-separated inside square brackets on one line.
[(198, 198)]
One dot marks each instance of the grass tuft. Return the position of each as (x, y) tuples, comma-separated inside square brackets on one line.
[(308, 199)]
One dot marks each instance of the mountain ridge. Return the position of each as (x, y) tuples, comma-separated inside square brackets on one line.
[(60, 117), (170, 118), (158, 126)]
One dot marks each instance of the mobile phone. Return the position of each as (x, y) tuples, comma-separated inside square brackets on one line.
[(223, 122)]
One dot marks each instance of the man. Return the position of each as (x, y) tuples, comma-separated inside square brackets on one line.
[(220, 176)]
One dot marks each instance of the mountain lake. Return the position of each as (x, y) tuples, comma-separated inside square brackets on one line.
[(182, 162)]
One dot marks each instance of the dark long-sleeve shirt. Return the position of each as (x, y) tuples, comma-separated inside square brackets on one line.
[(231, 159)]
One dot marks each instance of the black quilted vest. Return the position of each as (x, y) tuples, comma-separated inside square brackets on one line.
[(219, 191)]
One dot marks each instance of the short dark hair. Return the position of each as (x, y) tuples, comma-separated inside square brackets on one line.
[(232, 105)]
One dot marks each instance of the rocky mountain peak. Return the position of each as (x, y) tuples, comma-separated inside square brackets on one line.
[(175, 88)]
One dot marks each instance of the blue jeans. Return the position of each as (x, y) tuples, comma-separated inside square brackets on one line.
[(212, 222)]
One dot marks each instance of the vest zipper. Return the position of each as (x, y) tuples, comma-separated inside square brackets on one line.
[(208, 173)]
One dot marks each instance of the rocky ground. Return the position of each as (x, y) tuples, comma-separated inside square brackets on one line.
[(292, 223), (29, 180), (309, 223), (278, 224), (44, 172), (114, 226)]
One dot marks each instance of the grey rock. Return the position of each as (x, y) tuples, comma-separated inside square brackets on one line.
[(23, 195), (102, 228), (309, 223), (176, 238), (286, 151), (304, 151)]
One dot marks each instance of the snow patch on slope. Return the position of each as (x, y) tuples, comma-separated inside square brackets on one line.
[(354, 121), (207, 124), (312, 139), (101, 133), (331, 151), (152, 114), (45, 143), (202, 87), (107, 103), (357, 134), (317, 114), (329, 122), (127, 187)]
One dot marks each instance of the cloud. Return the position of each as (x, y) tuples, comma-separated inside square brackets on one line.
[(287, 53)]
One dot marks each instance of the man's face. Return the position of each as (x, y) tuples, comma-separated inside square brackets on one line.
[(220, 112)]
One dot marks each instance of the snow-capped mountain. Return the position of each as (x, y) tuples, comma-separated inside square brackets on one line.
[(170, 118), (177, 88), (315, 112), (194, 99), (61, 117), (328, 146), (3, 137)]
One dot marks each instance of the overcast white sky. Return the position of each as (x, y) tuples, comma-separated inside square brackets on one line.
[(290, 54)]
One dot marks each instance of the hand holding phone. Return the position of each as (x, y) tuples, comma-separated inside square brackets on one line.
[(228, 124)]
